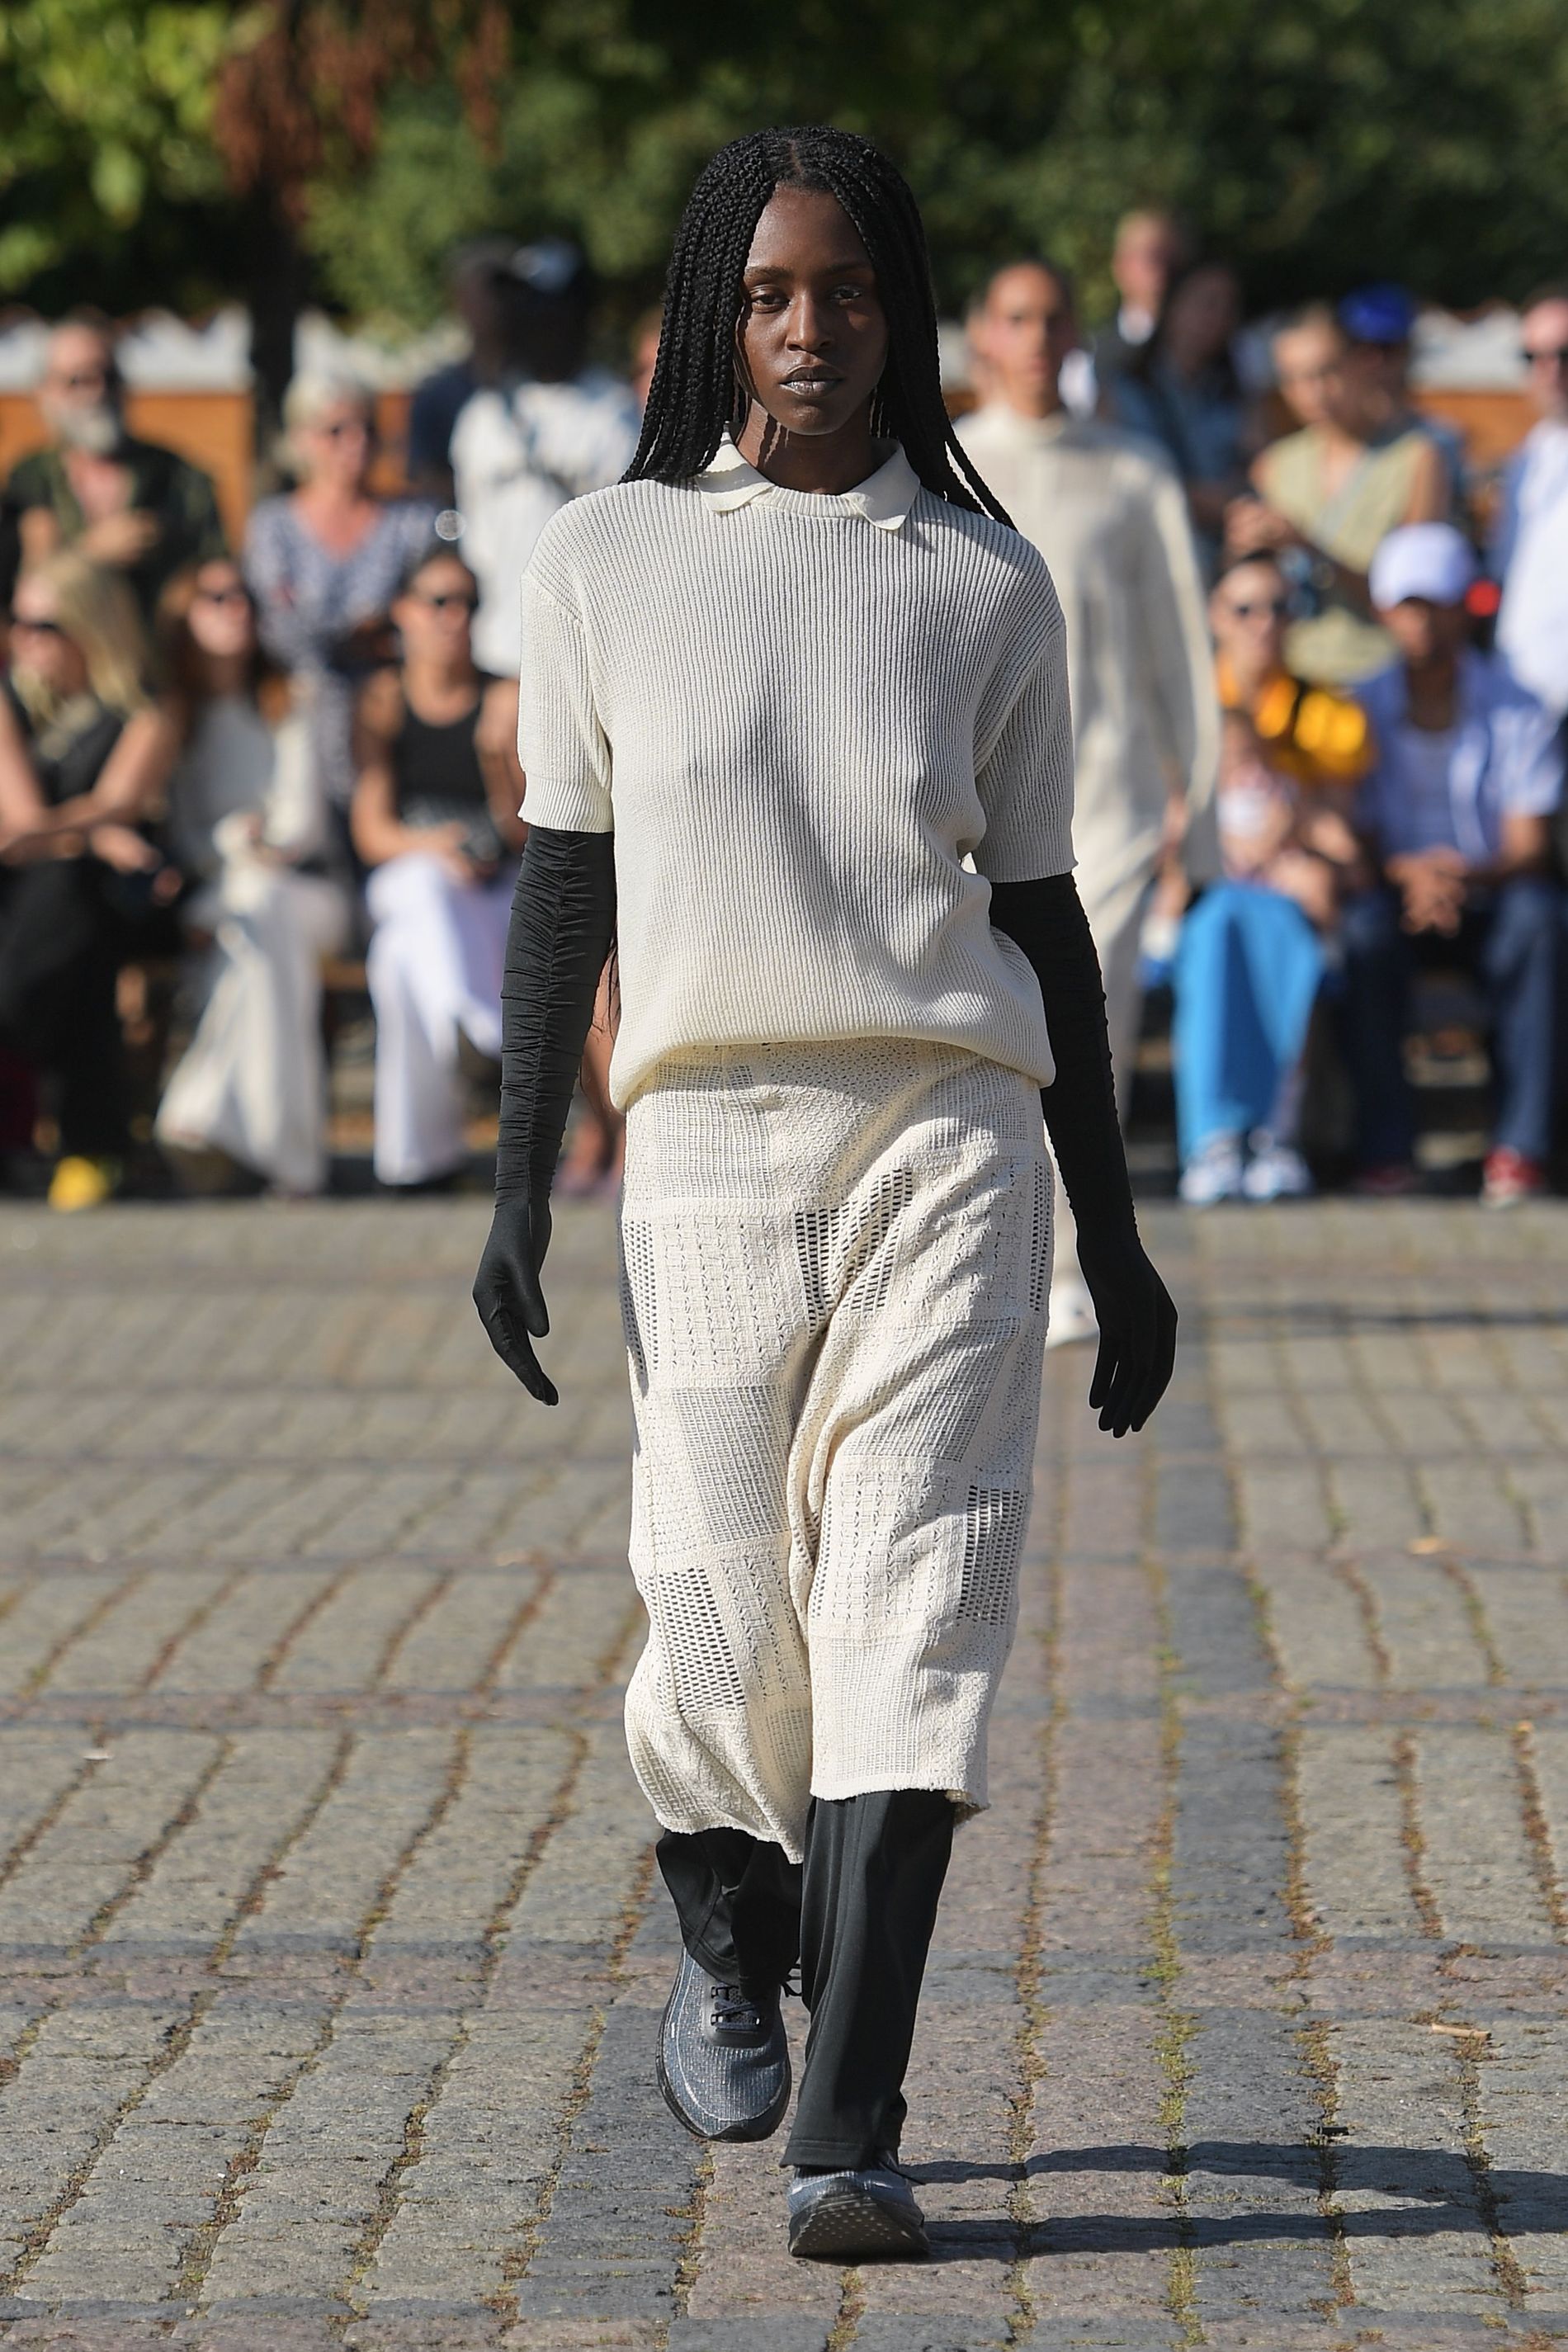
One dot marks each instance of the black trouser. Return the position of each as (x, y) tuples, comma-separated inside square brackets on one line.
[(857, 1916), (61, 943)]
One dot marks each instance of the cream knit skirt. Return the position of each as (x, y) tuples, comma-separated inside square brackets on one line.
[(835, 1266)]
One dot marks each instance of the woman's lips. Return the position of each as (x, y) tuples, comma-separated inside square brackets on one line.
[(811, 387)]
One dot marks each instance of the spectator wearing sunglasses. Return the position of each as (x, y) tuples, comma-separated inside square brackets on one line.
[(434, 817), (323, 561), (83, 755), (1530, 553), (246, 821), (134, 508), (1318, 738)]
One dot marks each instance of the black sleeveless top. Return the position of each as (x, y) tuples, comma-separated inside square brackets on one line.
[(70, 750), (438, 779)]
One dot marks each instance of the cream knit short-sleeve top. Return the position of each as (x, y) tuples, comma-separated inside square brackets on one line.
[(800, 715)]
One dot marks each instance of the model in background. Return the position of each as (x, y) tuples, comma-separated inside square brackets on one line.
[(246, 817), (434, 817), (1112, 522)]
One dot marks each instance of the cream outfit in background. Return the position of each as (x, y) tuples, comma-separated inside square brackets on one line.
[(1531, 558), (253, 1081), (519, 452), (434, 971), (835, 1268), (799, 714), (1111, 520)]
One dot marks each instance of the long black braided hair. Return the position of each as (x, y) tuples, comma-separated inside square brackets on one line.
[(695, 393)]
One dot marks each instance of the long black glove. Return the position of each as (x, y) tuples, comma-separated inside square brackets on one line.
[(1137, 1318), (562, 920)]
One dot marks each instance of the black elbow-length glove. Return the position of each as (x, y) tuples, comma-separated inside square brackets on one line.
[(562, 920), (1137, 1318)]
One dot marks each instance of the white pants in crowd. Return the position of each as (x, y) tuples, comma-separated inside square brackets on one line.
[(254, 1081), (1116, 920), (434, 968)]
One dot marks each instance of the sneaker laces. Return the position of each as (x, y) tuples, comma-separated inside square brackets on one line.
[(735, 2009)]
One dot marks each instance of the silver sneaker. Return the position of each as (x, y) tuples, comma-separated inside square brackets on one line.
[(723, 2060), (848, 2216)]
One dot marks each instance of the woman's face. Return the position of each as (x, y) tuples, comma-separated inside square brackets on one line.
[(1203, 316), (434, 613), (812, 339), (337, 446), (40, 645), (1250, 612), (222, 620), (1310, 363)]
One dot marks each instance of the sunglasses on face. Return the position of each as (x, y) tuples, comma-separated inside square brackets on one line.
[(1555, 356), (23, 621), (1274, 608), (84, 380), (445, 604), (222, 596), (344, 426)]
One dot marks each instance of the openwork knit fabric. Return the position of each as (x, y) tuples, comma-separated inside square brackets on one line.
[(834, 1266)]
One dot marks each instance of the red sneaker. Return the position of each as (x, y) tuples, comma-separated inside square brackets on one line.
[(1510, 1178)]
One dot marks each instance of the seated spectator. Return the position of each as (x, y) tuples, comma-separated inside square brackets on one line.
[(123, 503), (323, 561), (1179, 389), (551, 429), (1309, 732), (1379, 322), (1325, 496), (1456, 808), (83, 755), (1249, 964), (246, 817), (1530, 554), (434, 817)]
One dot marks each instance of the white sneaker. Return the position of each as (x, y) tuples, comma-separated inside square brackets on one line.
[(1213, 1173), (1072, 1314), (1276, 1171)]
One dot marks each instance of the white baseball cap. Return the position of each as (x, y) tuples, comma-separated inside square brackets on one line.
[(1429, 560)]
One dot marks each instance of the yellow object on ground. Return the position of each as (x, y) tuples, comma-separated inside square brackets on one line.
[(79, 1183)]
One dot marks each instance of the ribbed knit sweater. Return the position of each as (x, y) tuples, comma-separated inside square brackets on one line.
[(799, 714)]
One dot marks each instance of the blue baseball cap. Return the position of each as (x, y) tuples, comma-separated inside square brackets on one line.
[(1378, 314)]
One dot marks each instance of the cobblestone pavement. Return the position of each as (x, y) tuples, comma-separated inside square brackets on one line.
[(331, 1962)]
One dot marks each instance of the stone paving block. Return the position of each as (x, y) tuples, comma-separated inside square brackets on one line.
[(227, 1649), (1469, 1505), (1349, 1800), (1315, 1622), (582, 1619), (88, 1855), (43, 1618), (455, 1642), (1541, 1488), (1523, 2091), (1478, 1859), (1282, 1504), (1414, 2231), (1374, 1502), (1247, 2113), (1344, 1423), (37, 1770), (1423, 1625), (1525, 1610), (1230, 1856), (125, 1645), (342, 1646)]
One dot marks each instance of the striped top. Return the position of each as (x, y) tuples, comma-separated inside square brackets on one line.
[(819, 727)]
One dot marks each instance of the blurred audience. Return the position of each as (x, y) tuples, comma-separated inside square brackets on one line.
[(1149, 248), (322, 561), (1312, 733), (434, 819), (1378, 323), (478, 280), (84, 752), (1457, 809), (1327, 495), (1180, 390), (137, 509), (1529, 552), (549, 429), (1111, 520), (247, 824)]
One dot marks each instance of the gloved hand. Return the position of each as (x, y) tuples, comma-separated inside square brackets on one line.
[(1137, 1329), (507, 1289)]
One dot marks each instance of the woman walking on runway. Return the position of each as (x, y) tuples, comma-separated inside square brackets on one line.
[(778, 686)]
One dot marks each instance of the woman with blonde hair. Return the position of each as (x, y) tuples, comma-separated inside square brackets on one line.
[(83, 755), (247, 821), (323, 560)]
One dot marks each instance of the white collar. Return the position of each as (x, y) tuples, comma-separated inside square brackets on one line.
[(884, 498)]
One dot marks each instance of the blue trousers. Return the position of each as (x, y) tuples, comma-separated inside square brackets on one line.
[(1247, 970), (1510, 942)]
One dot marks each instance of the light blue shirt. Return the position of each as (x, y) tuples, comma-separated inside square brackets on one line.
[(1503, 760)]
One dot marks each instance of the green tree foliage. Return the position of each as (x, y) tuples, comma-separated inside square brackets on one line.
[(1319, 142)]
